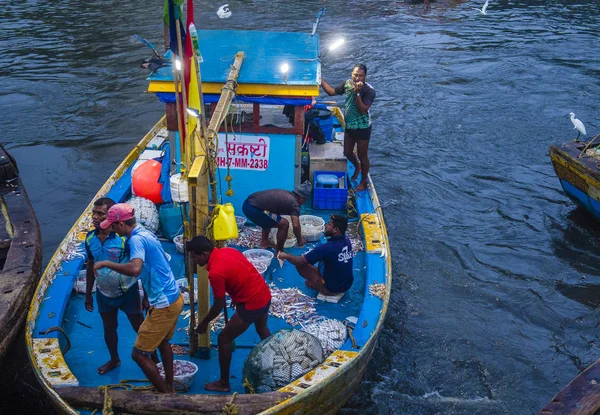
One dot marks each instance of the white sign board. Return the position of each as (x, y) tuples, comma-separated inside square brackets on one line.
[(245, 152)]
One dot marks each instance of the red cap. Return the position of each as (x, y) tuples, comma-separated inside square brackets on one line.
[(117, 213)]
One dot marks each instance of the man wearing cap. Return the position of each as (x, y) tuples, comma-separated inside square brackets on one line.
[(336, 255), (148, 261), (230, 272), (265, 208), (114, 291)]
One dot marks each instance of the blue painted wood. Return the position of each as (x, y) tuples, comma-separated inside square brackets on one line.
[(591, 204), (278, 175), (265, 53), (52, 309), (122, 188)]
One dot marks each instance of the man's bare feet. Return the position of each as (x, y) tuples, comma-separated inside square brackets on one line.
[(108, 366), (355, 175), (268, 244), (217, 386), (361, 186)]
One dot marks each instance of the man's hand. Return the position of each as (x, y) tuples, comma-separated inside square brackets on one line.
[(89, 302), (145, 303), (358, 86), (202, 327), (98, 266)]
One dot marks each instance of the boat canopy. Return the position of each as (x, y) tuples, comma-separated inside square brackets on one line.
[(261, 73)]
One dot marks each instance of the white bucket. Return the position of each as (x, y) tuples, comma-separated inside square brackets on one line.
[(179, 189)]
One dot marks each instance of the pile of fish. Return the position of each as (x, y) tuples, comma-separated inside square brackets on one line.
[(249, 237), (179, 350), (183, 371), (353, 233), (378, 290), (216, 325), (292, 305)]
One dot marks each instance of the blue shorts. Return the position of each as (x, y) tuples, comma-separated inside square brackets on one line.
[(250, 316), (129, 303), (262, 218)]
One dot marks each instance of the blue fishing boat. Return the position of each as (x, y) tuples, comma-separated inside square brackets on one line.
[(576, 164), (254, 138)]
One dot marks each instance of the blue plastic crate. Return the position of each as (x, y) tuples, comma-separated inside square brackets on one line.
[(329, 198)]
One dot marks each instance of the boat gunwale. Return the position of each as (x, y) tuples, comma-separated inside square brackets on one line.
[(24, 237), (46, 280)]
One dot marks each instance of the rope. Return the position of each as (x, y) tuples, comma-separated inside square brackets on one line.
[(248, 386), (230, 408), (56, 328), (127, 384), (228, 178), (587, 145), (350, 330)]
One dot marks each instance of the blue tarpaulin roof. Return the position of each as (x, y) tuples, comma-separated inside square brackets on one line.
[(265, 52)]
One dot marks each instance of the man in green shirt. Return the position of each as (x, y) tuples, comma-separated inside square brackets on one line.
[(359, 97)]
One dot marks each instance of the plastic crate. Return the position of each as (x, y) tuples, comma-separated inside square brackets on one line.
[(329, 198)]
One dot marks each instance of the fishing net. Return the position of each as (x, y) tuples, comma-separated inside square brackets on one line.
[(331, 333), (145, 213), (281, 359)]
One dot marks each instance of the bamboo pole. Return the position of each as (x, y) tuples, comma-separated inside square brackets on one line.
[(179, 121), (184, 139), (220, 113), (198, 181)]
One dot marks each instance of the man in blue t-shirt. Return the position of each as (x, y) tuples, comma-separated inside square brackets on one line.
[(148, 260), (336, 255), (114, 291)]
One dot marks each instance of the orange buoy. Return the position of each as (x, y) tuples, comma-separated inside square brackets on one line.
[(145, 181)]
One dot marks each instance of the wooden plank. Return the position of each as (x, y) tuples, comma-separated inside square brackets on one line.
[(150, 403), (580, 397)]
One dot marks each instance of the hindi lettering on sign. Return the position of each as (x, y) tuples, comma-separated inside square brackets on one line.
[(244, 152)]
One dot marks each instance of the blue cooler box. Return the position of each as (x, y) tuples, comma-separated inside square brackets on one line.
[(326, 124), (326, 191)]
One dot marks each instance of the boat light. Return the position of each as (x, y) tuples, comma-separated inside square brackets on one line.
[(177, 64), (193, 112), (337, 44), (285, 68)]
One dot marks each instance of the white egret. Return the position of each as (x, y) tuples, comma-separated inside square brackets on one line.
[(577, 125), (484, 8)]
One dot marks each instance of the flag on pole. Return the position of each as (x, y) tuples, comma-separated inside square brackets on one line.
[(172, 16), (191, 80)]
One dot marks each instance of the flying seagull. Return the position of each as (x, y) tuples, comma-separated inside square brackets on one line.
[(577, 125), (484, 8)]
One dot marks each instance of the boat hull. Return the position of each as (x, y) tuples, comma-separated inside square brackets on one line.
[(322, 391), (20, 252), (579, 176)]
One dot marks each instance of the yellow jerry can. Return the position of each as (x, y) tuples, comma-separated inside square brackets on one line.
[(225, 226)]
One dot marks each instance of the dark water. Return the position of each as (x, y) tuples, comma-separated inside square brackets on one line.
[(496, 278)]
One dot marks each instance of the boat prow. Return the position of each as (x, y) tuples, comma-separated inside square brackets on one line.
[(576, 164)]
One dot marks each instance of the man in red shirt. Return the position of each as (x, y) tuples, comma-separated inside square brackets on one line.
[(230, 272)]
